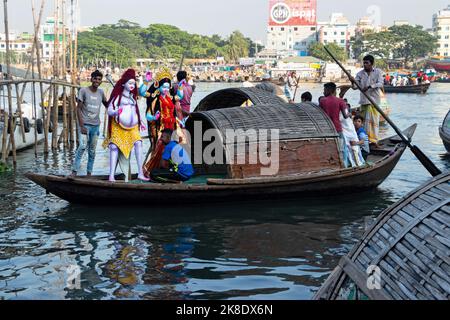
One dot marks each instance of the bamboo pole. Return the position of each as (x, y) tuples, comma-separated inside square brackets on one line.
[(56, 77), (37, 26), (65, 133), (4, 136), (33, 102), (75, 65), (41, 84), (8, 70), (64, 73), (72, 94), (19, 111)]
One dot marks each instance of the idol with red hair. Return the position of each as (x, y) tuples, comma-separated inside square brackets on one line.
[(124, 126)]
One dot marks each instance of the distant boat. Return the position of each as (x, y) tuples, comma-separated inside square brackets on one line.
[(421, 88), (440, 64), (444, 132), (29, 120), (442, 80)]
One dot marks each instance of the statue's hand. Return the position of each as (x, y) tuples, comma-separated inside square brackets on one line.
[(120, 111)]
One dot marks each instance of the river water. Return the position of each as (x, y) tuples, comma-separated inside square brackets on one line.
[(261, 250)]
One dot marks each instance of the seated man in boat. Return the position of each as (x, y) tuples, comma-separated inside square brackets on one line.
[(307, 100), (358, 121), (175, 165)]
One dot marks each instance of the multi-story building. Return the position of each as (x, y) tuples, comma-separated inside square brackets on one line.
[(17, 43), (338, 30), (292, 26), (48, 38), (441, 28)]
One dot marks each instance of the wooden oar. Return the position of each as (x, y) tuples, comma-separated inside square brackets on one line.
[(426, 162)]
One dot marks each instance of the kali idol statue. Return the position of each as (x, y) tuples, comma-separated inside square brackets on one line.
[(124, 127)]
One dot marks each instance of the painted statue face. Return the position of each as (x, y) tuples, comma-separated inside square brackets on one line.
[(165, 88), (130, 85)]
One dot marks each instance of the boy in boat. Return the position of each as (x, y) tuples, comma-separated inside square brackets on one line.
[(371, 81), (90, 101), (307, 100), (333, 107), (358, 121), (175, 163)]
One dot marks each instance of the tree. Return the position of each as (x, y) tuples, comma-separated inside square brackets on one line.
[(318, 50), (92, 47), (413, 42)]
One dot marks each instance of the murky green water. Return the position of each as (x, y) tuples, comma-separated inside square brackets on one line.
[(264, 250)]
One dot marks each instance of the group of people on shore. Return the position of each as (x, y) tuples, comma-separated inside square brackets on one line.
[(168, 108)]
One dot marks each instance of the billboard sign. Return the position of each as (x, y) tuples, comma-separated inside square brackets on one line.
[(293, 12)]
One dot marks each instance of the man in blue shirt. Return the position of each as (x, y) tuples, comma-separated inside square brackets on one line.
[(176, 165)]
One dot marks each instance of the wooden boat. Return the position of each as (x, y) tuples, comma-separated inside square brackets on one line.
[(421, 88), (308, 161), (444, 132), (410, 246), (442, 80)]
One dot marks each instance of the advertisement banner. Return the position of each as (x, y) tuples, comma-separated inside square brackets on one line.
[(292, 12)]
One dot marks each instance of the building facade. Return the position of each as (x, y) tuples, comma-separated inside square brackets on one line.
[(48, 38), (338, 30), (17, 43), (441, 29), (292, 26)]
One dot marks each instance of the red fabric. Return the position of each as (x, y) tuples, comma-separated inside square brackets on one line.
[(117, 93), (167, 113), (155, 159), (333, 106)]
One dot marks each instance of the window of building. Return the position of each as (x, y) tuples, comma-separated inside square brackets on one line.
[(47, 53), (325, 33), (335, 33), (343, 41), (304, 43), (446, 54), (446, 46), (313, 28), (342, 33), (282, 29), (47, 45), (283, 43), (271, 29), (295, 29), (325, 41), (447, 37)]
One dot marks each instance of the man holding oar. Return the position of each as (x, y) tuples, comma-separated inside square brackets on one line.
[(371, 81)]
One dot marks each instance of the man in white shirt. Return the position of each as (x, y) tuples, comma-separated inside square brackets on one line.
[(247, 83), (371, 81)]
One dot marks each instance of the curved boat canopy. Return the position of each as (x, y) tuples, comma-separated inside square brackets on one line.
[(236, 97)]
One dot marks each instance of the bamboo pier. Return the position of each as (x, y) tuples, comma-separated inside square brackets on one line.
[(64, 62)]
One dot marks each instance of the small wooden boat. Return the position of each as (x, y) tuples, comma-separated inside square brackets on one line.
[(442, 80), (421, 88), (308, 160), (444, 132), (405, 254)]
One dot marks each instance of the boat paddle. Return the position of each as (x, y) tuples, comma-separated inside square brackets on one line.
[(426, 162)]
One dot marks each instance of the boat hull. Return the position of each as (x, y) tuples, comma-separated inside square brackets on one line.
[(98, 191), (422, 89), (445, 139)]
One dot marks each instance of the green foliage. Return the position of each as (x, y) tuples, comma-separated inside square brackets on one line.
[(91, 46), (160, 41), (4, 168), (412, 42), (318, 50), (405, 42)]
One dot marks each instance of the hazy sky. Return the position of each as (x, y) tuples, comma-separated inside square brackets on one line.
[(221, 17)]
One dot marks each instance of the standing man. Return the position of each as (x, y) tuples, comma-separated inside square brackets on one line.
[(186, 93), (90, 101), (291, 86), (371, 81), (333, 107)]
